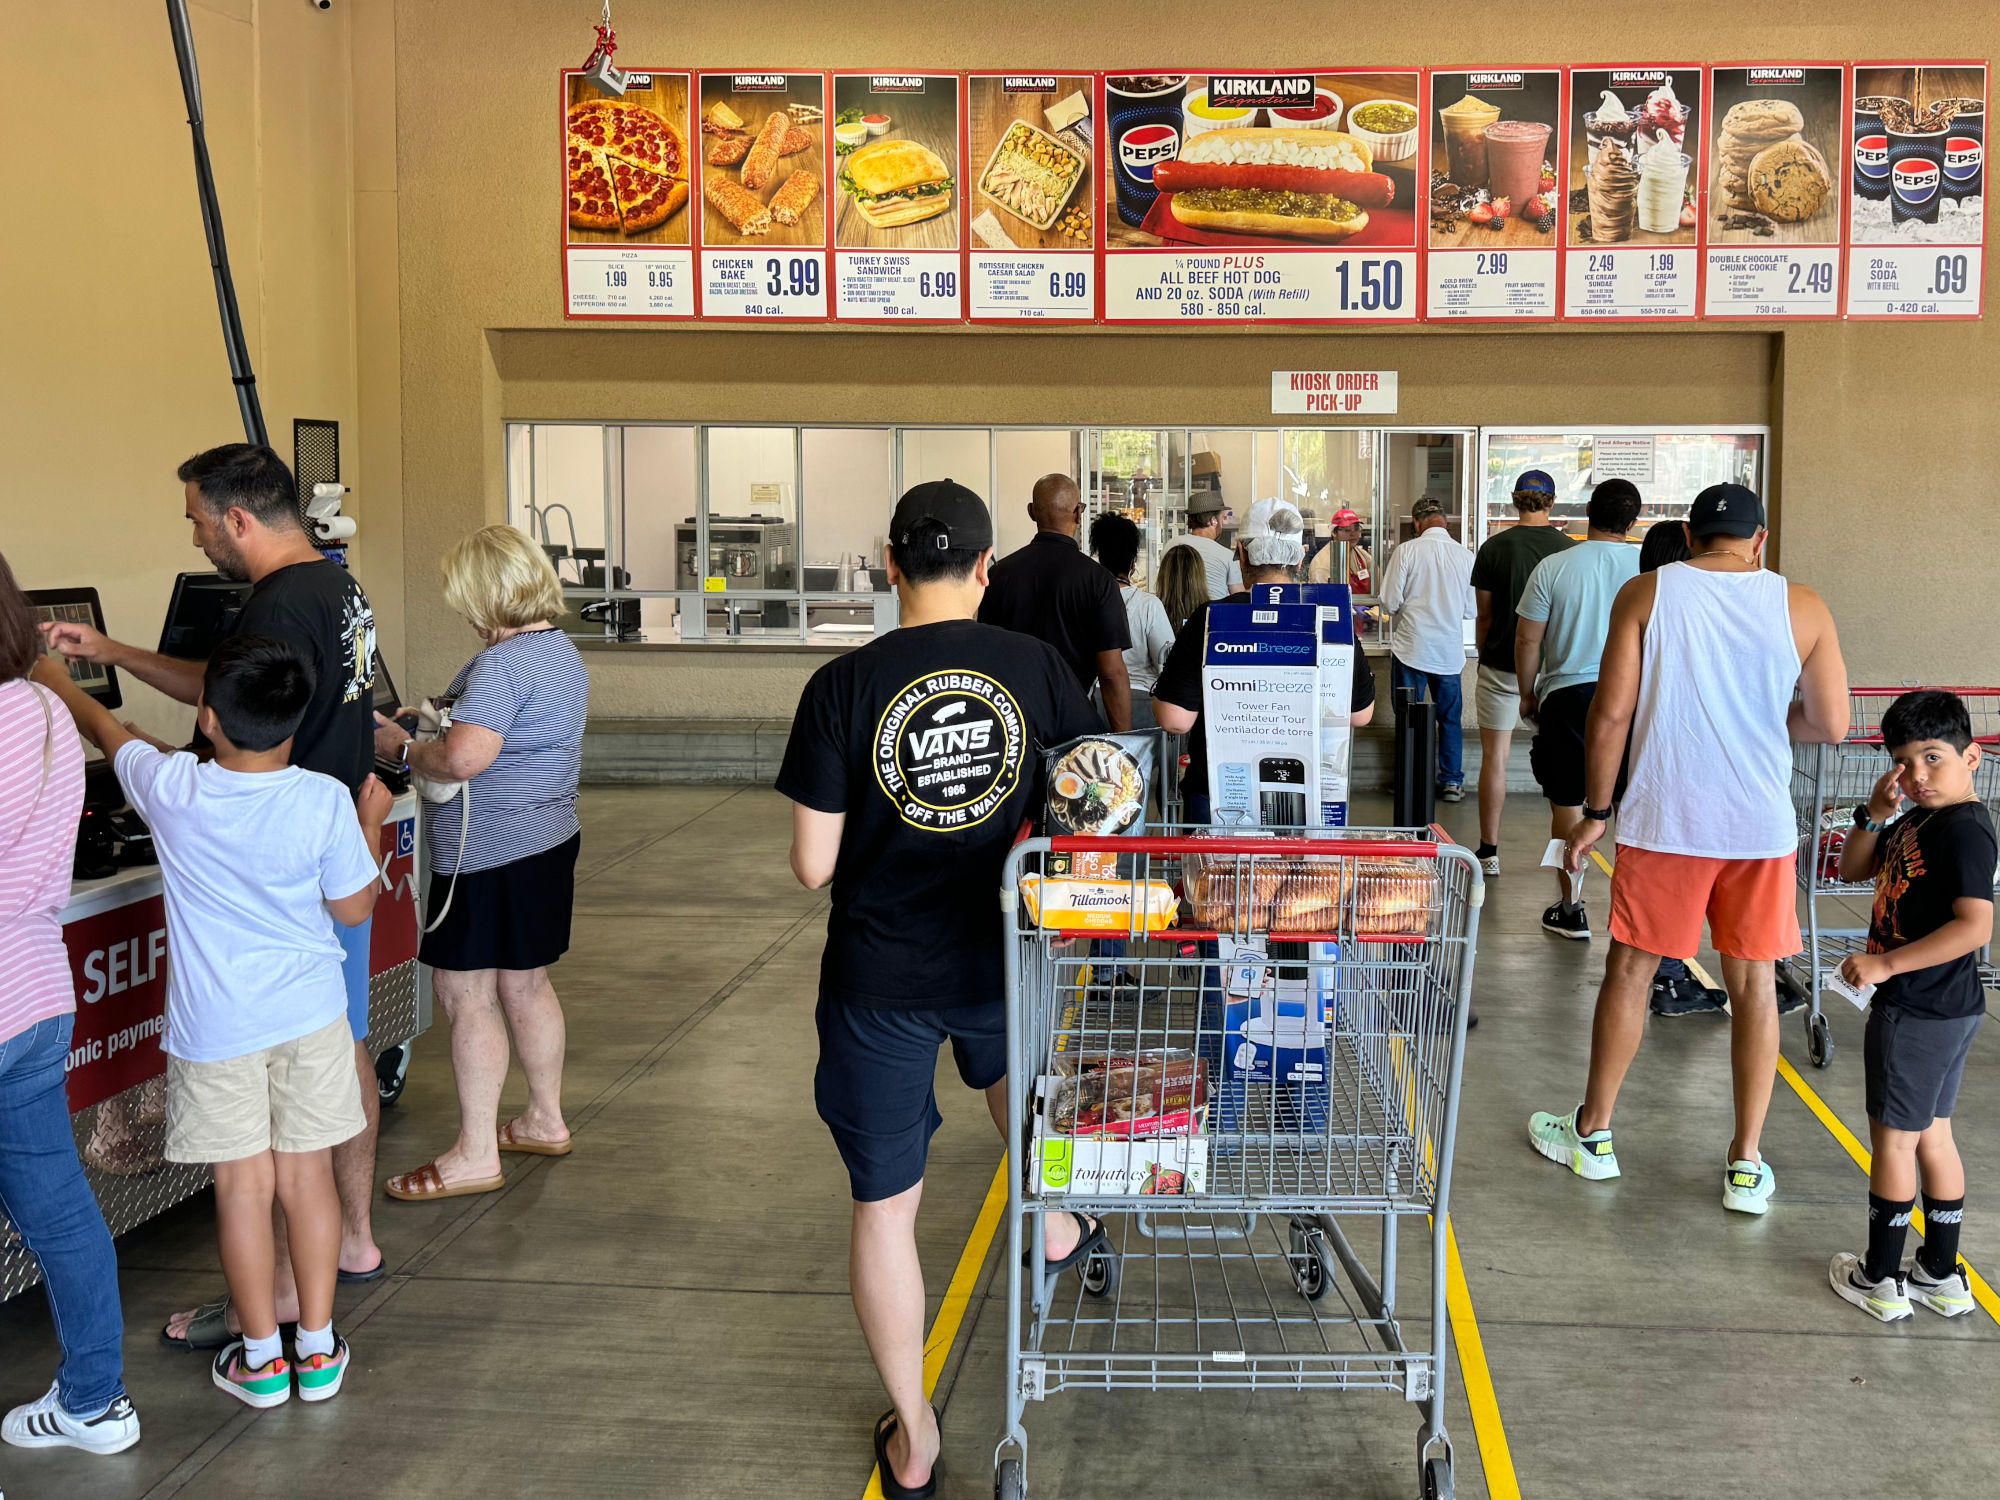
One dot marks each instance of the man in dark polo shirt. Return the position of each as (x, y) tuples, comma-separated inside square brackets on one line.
[(1050, 590), (911, 764), (244, 507)]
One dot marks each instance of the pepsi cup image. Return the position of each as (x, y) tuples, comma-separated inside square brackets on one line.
[(1143, 121), (1916, 176), (1871, 146), (1965, 151)]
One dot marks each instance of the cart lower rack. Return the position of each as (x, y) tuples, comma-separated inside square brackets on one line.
[(1233, 1097)]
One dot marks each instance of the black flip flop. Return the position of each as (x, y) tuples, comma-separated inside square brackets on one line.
[(357, 1278), (891, 1489), (1089, 1243)]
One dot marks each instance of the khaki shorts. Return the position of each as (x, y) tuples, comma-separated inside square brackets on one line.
[(301, 1095), (1496, 697)]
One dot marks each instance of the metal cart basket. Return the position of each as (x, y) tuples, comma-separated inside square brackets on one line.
[(1229, 1095), (1828, 783)]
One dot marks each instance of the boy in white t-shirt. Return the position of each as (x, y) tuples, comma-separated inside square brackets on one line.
[(259, 858)]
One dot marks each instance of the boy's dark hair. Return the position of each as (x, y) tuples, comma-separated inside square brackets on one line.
[(1115, 540), (248, 477), (1928, 714), (259, 688), (921, 560), (1614, 506), (1666, 542), (20, 638)]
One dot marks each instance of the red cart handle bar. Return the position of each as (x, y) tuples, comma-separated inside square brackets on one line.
[(1344, 848)]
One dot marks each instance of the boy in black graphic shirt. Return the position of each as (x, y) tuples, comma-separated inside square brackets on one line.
[(1933, 870), (912, 763)]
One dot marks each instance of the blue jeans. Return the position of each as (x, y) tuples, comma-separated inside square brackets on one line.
[(44, 1193), (1448, 693)]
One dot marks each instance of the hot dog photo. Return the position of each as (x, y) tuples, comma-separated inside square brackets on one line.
[(1230, 160)]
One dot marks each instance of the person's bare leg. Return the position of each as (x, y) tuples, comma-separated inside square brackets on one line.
[(1753, 1048), (1060, 1232), (1616, 1030), (536, 1016), (1494, 747), (1562, 821), (244, 1191), (1893, 1157), (887, 1280), (354, 1175), (471, 998), (1937, 1156), (305, 1185)]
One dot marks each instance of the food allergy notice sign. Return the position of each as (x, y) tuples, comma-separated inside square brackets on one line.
[(1333, 393)]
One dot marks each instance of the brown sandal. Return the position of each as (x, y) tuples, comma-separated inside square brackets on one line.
[(528, 1145), (427, 1182)]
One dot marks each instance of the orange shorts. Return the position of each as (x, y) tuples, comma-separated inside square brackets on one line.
[(1658, 902)]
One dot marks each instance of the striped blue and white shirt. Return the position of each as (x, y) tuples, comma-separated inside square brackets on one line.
[(531, 690)]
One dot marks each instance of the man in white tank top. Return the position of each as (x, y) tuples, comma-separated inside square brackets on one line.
[(1701, 665)]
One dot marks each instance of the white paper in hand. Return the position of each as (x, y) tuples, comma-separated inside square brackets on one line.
[(1837, 982), (1552, 858)]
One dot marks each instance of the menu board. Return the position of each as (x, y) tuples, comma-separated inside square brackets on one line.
[(1266, 197), (1496, 160), (626, 215), (1634, 174), (1775, 144), (763, 171), (896, 205), (1917, 211), (1030, 196)]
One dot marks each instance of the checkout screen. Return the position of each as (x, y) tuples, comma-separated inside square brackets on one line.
[(91, 676)]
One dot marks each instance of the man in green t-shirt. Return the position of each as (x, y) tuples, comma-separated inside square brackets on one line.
[(1499, 577)]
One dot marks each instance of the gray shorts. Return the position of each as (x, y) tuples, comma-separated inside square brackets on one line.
[(1912, 1065)]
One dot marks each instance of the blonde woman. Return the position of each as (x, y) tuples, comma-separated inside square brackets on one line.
[(516, 741), (1182, 584)]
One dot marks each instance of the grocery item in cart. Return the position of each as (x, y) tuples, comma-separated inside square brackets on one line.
[(1136, 1101), (1267, 893), (1074, 903), (1395, 895), (1096, 788)]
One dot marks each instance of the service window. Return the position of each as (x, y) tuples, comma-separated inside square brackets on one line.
[(1670, 466)]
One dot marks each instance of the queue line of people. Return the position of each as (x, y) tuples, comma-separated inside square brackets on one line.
[(267, 827)]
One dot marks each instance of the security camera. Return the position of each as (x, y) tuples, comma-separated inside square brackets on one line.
[(323, 4)]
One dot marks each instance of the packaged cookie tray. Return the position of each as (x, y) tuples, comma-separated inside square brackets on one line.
[(1130, 1099), (1236, 893)]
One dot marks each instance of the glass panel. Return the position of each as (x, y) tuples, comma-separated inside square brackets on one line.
[(964, 454), (1669, 468), (561, 501), (659, 502), (1327, 470), (1416, 465), (1135, 474), (752, 530), (1019, 459), (849, 497)]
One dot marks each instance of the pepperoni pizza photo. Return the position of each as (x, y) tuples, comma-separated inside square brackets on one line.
[(627, 173)]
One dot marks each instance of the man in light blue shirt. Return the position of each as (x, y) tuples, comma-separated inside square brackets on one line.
[(1559, 636)]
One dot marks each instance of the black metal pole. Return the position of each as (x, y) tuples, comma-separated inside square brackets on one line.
[(240, 374)]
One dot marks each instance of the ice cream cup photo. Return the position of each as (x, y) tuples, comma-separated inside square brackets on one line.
[(1199, 116), (1322, 114), (1388, 127)]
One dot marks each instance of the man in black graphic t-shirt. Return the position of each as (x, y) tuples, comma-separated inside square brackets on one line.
[(912, 763)]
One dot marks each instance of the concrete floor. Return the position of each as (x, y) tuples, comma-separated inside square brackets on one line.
[(664, 1313)]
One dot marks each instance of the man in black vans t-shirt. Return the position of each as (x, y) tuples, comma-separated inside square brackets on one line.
[(913, 761)]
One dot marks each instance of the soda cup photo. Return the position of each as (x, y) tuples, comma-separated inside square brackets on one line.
[(1916, 176), (1143, 126), (1871, 146), (1965, 151)]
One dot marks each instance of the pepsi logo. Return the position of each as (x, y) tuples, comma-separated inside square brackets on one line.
[(1916, 182), (1871, 156), (1144, 147), (1962, 155)]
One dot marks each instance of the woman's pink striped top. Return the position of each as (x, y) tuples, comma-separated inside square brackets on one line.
[(37, 843)]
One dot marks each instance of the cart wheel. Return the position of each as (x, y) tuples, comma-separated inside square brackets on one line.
[(1310, 1272), (1007, 1481), (392, 1072), (1819, 1041), (1099, 1275), (1437, 1479)]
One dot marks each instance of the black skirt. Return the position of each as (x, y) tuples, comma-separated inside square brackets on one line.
[(515, 916)]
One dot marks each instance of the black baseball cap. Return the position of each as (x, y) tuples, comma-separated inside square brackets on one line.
[(1726, 510), (967, 525)]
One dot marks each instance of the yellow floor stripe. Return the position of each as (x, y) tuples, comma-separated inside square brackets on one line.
[(1487, 1427), (957, 1297)]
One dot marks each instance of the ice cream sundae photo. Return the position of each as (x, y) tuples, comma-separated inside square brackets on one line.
[(1632, 164)]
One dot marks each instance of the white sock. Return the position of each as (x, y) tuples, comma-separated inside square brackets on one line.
[(311, 1342), (258, 1353)]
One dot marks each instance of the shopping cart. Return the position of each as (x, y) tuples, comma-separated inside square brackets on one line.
[(1223, 1096), (1828, 783)]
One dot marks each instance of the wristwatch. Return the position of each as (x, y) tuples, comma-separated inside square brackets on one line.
[(1597, 814), (1865, 824)]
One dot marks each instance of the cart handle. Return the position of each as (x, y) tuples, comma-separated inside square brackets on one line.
[(1349, 848), (1897, 692)]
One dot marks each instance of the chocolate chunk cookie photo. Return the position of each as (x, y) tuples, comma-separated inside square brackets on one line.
[(1773, 156)]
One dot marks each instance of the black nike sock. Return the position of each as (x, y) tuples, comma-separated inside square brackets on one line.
[(1938, 1254), (1486, 851), (1888, 1226)]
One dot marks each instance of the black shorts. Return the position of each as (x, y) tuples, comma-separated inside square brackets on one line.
[(875, 1085), (1912, 1065), (1556, 755), (514, 916)]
